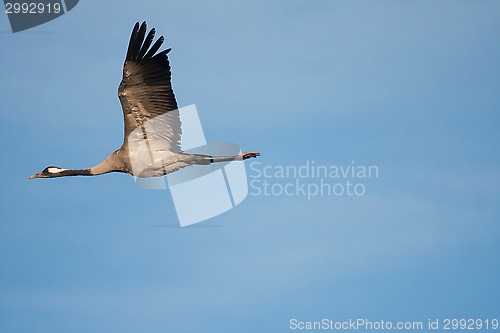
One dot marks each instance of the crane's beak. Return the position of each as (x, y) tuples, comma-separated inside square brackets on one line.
[(36, 175)]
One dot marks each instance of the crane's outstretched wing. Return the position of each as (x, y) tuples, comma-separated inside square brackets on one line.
[(149, 107)]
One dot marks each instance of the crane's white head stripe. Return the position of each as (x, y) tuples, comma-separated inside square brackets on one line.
[(55, 170)]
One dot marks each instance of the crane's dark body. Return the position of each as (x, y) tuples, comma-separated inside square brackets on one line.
[(146, 96)]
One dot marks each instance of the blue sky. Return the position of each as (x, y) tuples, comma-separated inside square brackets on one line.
[(411, 87)]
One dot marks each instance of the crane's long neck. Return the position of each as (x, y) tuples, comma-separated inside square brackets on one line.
[(77, 172), (113, 163), (110, 164), (94, 171)]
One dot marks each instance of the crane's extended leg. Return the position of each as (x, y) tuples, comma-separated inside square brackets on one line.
[(250, 155), (217, 159)]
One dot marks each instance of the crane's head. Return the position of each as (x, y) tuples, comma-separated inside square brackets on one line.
[(49, 172)]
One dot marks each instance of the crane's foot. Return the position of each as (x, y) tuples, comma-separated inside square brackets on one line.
[(250, 155)]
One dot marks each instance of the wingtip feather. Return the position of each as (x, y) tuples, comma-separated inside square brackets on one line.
[(138, 45)]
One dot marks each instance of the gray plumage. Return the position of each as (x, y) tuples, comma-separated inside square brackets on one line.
[(152, 126)]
